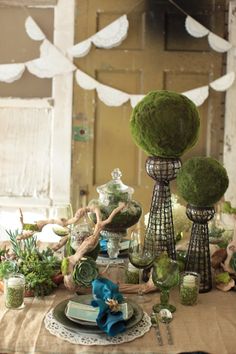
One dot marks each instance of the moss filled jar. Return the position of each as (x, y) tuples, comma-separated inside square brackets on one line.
[(189, 288), (14, 289), (110, 195), (131, 274)]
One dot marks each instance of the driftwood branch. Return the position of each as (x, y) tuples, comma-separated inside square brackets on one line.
[(91, 241), (24, 235), (86, 246), (60, 244), (64, 222)]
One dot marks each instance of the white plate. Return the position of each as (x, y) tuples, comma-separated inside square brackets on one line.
[(92, 322)]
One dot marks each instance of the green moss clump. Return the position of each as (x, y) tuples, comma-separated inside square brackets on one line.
[(165, 124), (126, 218), (202, 181)]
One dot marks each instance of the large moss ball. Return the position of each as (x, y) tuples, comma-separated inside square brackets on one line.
[(202, 181), (165, 124)]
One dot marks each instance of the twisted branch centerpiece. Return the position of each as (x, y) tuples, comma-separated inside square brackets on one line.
[(79, 269)]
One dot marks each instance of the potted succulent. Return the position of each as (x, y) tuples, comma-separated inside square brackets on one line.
[(41, 269)]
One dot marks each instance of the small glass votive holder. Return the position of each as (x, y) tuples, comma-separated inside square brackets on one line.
[(189, 288), (14, 291)]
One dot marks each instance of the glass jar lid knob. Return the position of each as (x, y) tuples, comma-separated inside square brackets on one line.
[(116, 173)]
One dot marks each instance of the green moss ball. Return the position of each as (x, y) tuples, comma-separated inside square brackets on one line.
[(202, 181), (165, 124)]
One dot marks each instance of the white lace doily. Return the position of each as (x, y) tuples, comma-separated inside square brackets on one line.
[(58, 330)]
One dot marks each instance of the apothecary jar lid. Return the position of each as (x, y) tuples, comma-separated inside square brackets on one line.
[(115, 185)]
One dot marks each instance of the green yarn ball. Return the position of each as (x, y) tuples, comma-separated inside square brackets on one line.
[(165, 124), (202, 181)]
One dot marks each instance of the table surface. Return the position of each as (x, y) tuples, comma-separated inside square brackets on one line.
[(209, 326)]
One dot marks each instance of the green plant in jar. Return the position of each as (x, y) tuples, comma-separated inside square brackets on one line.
[(110, 195), (189, 288)]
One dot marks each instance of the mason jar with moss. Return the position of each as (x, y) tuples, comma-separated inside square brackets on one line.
[(131, 274), (189, 288), (14, 290)]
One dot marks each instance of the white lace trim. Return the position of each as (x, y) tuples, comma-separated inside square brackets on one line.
[(58, 330), (113, 34)]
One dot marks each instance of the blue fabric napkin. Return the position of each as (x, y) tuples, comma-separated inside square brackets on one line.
[(103, 245), (111, 323)]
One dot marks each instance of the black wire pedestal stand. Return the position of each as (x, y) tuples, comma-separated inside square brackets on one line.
[(198, 255), (160, 223)]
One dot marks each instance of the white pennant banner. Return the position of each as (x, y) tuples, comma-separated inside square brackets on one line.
[(11, 72), (198, 95), (85, 81), (218, 44), (108, 37), (33, 30), (197, 30), (111, 96), (224, 82), (135, 99), (114, 97), (50, 63)]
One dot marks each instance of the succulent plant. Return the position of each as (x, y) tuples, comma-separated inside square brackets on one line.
[(85, 272)]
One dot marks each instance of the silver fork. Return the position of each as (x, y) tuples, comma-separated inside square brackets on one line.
[(155, 324)]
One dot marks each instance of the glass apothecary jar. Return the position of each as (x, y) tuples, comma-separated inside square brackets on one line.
[(14, 291), (110, 195), (80, 232), (189, 288), (83, 229)]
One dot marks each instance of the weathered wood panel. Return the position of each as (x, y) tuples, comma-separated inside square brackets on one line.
[(17, 47), (230, 121), (34, 3), (25, 137)]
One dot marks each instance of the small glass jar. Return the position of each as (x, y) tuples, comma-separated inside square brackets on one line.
[(81, 231), (14, 289), (189, 288), (132, 274)]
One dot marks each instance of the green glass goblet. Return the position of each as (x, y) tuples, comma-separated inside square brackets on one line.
[(165, 276), (141, 258)]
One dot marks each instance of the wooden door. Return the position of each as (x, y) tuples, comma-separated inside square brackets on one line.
[(35, 114), (158, 53)]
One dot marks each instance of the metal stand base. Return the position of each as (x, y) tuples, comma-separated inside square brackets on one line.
[(198, 255), (160, 224)]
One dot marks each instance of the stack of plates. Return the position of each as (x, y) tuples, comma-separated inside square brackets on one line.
[(89, 325)]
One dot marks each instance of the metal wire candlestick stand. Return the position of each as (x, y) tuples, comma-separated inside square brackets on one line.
[(198, 254), (160, 223)]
